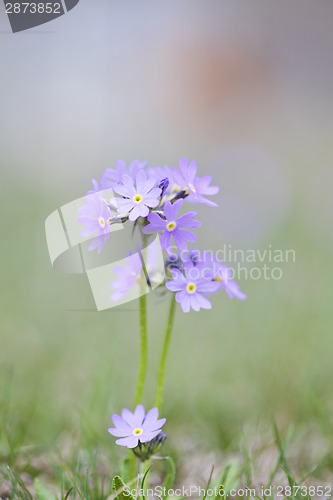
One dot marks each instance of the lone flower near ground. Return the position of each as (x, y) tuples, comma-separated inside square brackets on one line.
[(136, 427), (173, 227)]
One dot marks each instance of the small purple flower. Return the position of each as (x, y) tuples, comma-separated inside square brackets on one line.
[(138, 197), (192, 289), (127, 277), (224, 276), (198, 187), (95, 215), (215, 270), (136, 427), (112, 176), (162, 173), (173, 227)]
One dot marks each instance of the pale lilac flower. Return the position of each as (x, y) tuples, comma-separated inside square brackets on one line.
[(112, 176), (162, 173), (212, 268), (128, 276), (95, 215), (192, 288), (172, 226), (198, 187), (139, 197), (223, 274), (136, 427)]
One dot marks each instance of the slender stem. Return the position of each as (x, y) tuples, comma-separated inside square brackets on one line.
[(164, 355), (143, 355)]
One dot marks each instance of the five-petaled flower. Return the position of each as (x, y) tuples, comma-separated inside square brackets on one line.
[(198, 187), (223, 275), (193, 287), (136, 426), (139, 197), (95, 215), (172, 226)]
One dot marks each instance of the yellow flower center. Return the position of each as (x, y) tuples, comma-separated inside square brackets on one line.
[(218, 278), (192, 188), (137, 432), (101, 222), (191, 288), (137, 198), (171, 226)]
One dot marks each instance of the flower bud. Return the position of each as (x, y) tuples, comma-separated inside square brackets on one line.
[(145, 450)]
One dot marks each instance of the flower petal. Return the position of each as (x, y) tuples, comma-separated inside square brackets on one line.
[(179, 240), (118, 421), (130, 441), (139, 415), (119, 432), (128, 416), (124, 189), (200, 301), (148, 436), (141, 180), (151, 416), (135, 213), (184, 300), (165, 242)]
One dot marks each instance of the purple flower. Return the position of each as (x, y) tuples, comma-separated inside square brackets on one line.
[(173, 227), (162, 173), (112, 176), (137, 426), (223, 275), (127, 276), (95, 215), (198, 187), (192, 288), (130, 274), (138, 197), (215, 270)]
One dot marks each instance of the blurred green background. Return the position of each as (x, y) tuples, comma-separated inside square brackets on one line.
[(246, 90)]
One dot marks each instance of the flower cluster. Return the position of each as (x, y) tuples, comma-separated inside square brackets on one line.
[(152, 198), (146, 194)]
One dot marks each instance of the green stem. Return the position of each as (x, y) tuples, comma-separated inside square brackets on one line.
[(164, 355), (143, 355)]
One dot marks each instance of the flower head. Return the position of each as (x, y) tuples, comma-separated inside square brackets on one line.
[(136, 427), (172, 226), (192, 287), (127, 277), (223, 274), (112, 176), (130, 274), (139, 197), (95, 215), (198, 187)]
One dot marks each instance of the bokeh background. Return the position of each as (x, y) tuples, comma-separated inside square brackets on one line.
[(245, 89)]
